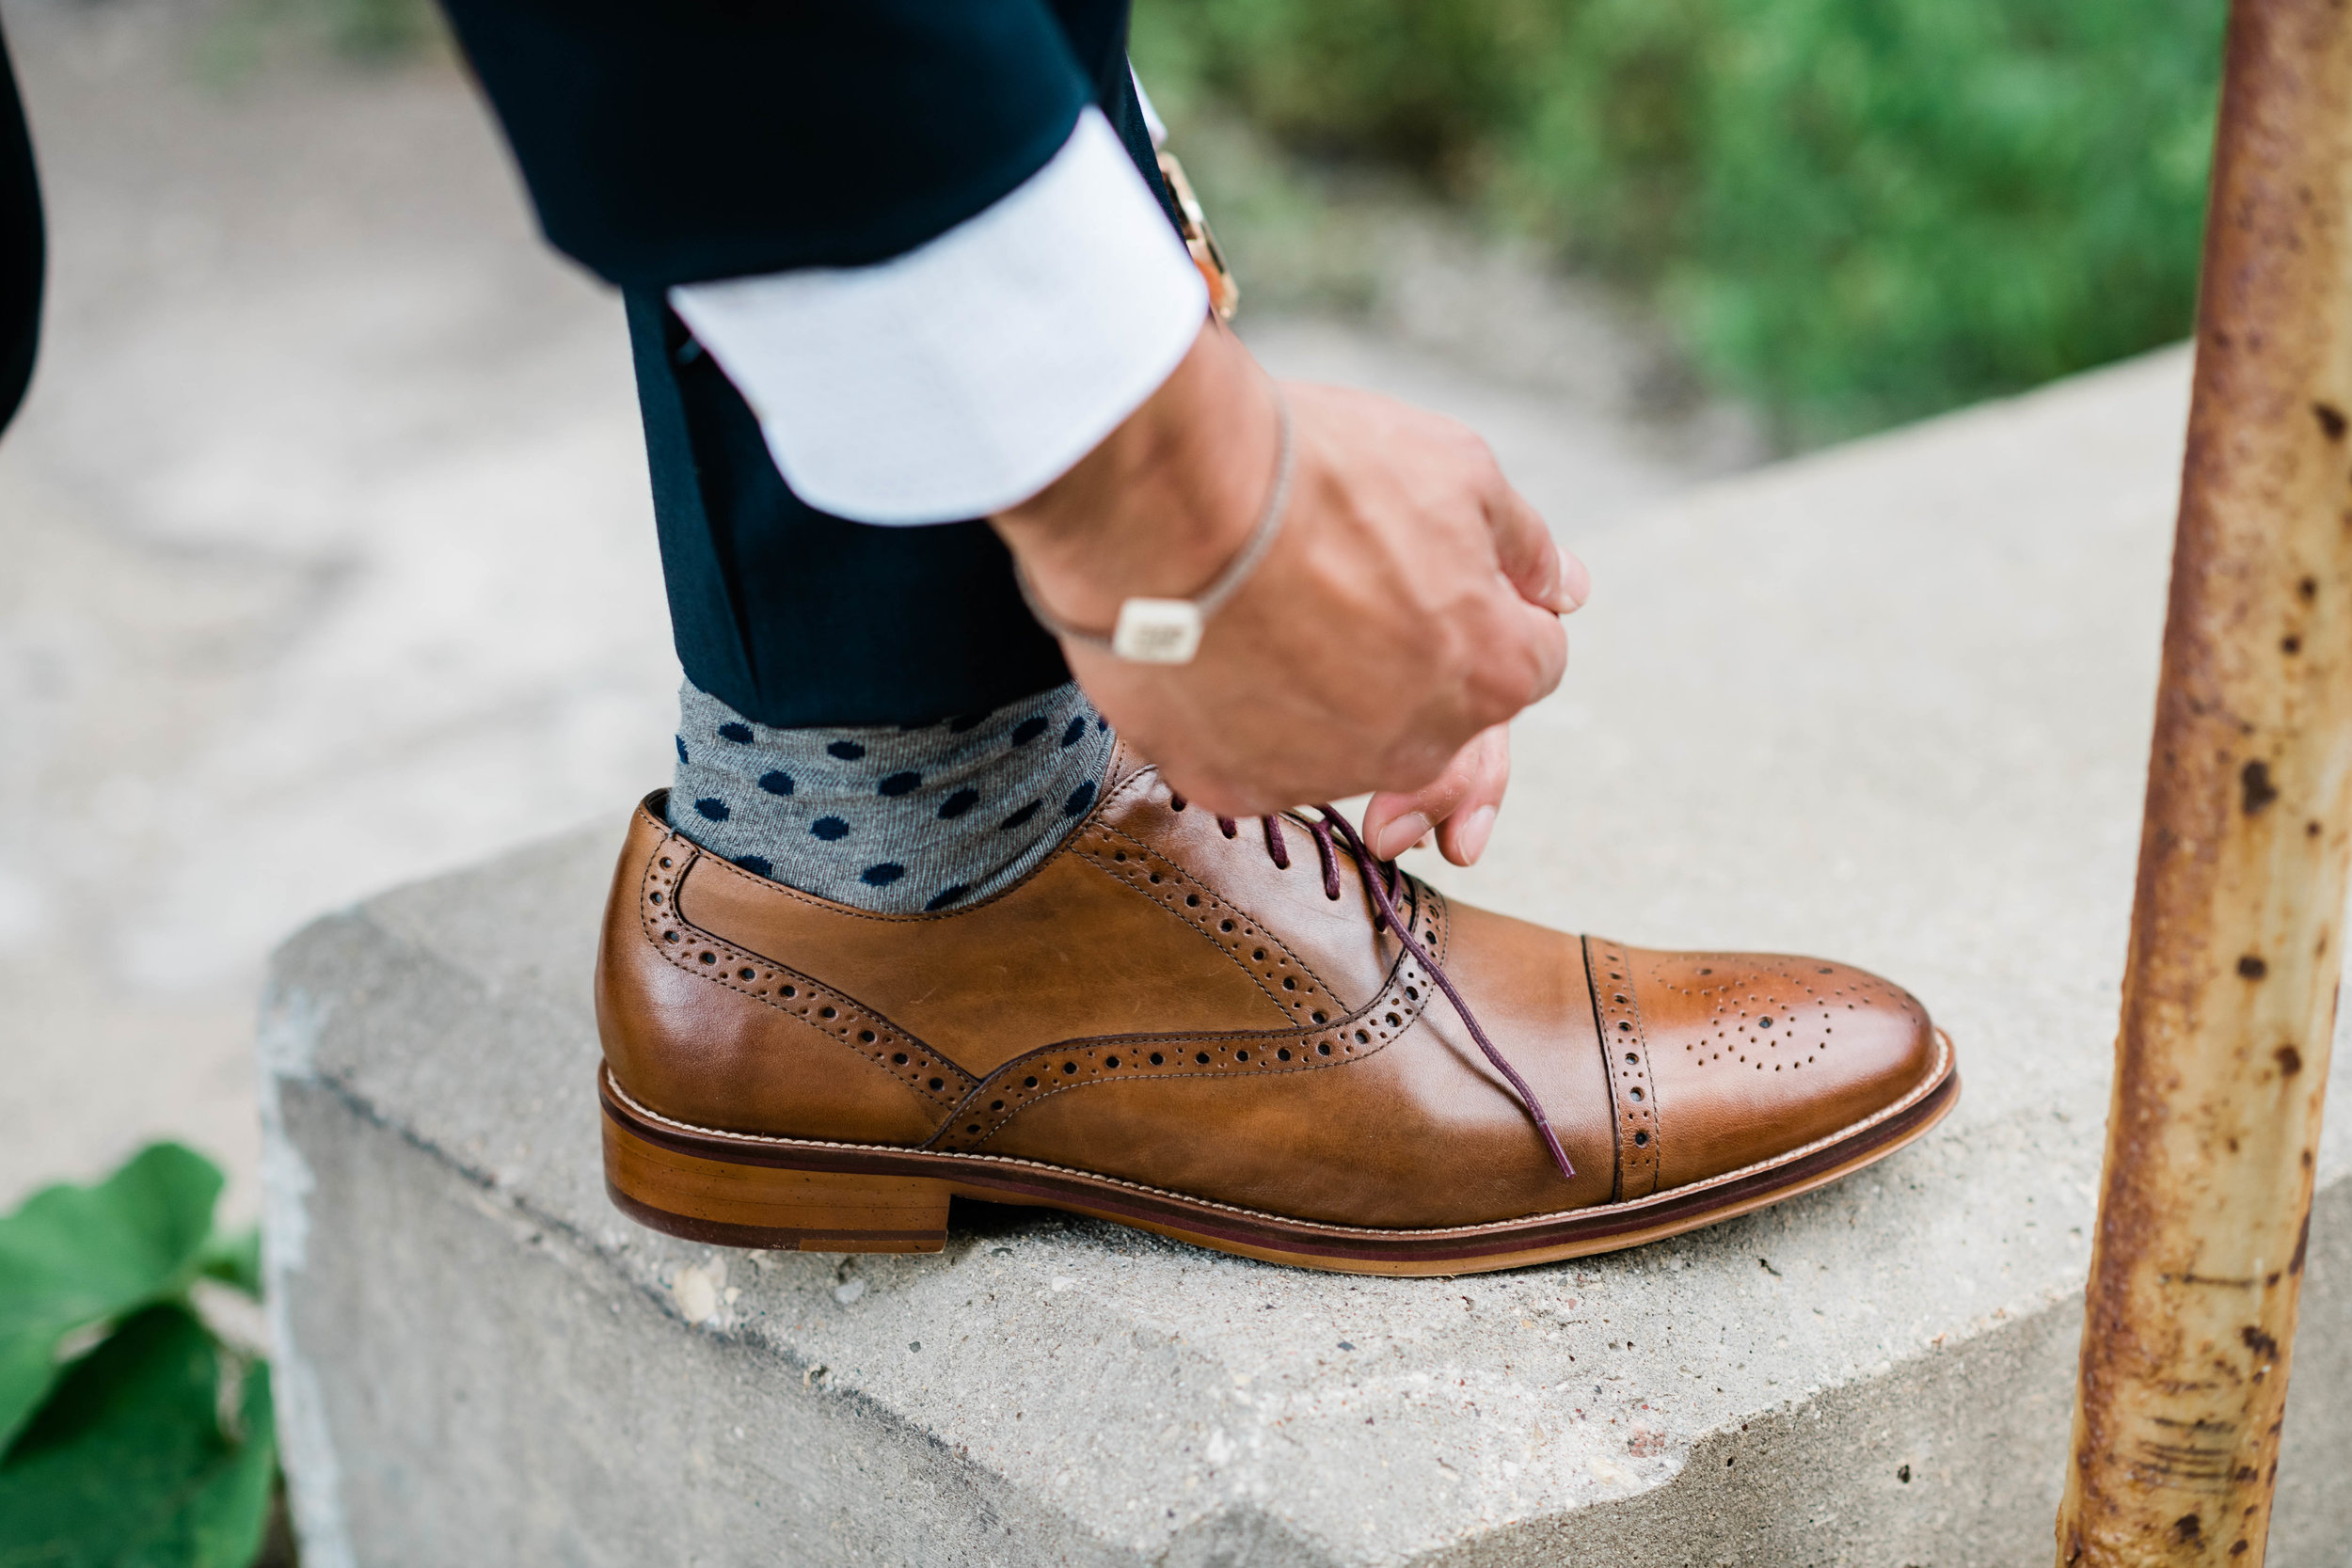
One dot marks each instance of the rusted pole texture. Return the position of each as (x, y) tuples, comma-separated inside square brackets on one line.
[(2230, 994)]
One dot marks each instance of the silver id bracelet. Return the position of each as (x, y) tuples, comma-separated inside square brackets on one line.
[(1168, 631)]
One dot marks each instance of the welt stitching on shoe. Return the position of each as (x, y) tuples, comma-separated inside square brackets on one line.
[(1039, 1075), (829, 1011), (1929, 1083), (1632, 1086)]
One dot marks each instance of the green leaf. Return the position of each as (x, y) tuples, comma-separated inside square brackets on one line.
[(72, 1257), (129, 1466), (235, 1259)]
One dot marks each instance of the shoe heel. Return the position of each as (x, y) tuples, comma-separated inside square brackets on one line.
[(763, 1205)]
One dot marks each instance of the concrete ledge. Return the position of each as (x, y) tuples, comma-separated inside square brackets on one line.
[(1890, 703)]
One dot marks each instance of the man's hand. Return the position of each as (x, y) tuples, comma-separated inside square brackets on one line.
[(1459, 806), (1410, 606)]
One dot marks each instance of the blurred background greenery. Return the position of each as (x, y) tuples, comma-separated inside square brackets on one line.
[(1845, 213), (1849, 213)]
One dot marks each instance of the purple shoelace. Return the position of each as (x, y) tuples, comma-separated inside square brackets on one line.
[(1381, 881)]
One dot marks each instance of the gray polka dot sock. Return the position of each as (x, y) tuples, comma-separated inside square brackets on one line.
[(895, 820)]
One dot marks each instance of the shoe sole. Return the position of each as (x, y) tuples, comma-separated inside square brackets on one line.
[(743, 1190)]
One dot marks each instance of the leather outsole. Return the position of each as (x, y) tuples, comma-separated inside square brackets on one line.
[(735, 1189)]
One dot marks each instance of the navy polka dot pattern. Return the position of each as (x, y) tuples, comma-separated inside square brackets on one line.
[(921, 819)]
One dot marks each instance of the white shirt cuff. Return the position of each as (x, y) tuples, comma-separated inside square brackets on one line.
[(969, 374)]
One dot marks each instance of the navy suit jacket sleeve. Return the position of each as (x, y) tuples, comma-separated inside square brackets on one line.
[(688, 140)]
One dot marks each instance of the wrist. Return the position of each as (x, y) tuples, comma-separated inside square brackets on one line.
[(1163, 502)]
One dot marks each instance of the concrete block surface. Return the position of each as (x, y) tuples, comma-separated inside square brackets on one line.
[(1890, 703)]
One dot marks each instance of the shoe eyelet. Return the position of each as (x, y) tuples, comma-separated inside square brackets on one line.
[(1028, 1083)]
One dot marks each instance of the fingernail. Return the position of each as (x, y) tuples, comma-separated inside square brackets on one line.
[(1576, 583), (1400, 835), (1477, 827)]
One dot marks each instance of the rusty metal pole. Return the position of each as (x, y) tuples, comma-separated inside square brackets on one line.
[(2230, 994)]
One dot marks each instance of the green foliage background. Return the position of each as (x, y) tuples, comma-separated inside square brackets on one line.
[(1852, 212)]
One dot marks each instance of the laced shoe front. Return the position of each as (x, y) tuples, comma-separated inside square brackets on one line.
[(1255, 1038)]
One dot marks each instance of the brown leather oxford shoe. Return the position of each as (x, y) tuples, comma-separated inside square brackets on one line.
[(1252, 1036)]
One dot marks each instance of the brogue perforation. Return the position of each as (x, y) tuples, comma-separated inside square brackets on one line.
[(822, 1008), (1076, 1064), (1625, 1045)]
